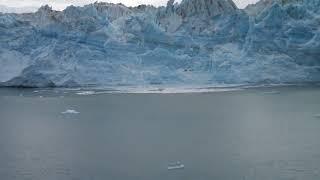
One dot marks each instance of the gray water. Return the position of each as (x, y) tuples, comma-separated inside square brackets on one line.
[(253, 134)]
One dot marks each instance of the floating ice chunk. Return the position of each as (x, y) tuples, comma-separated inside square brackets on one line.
[(176, 166), (70, 111), (85, 93), (272, 92)]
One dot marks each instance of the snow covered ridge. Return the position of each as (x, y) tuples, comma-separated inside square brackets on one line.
[(203, 42)]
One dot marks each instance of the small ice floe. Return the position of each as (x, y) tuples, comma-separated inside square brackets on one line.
[(35, 91), (176, 166), (271, 92), (70, 111), (85, 93)]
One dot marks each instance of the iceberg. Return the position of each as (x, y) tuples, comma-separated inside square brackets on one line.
[(195, 42)]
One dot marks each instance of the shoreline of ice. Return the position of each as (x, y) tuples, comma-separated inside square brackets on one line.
[(267, 89), (181, 89)]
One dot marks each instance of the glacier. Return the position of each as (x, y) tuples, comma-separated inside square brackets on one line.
[(195, 42)]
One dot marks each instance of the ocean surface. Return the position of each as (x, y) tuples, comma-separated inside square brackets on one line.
[(225, 134)]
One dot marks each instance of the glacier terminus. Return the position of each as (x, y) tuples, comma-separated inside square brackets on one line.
[(201, 42)]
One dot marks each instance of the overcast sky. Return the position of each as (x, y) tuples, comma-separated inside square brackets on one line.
[(61, 4)]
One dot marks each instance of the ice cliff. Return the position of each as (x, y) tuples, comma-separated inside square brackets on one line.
[(201, 42)]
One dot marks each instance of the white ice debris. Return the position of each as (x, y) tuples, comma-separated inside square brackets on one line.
[(176, 166), (70, 111), (85, 93)]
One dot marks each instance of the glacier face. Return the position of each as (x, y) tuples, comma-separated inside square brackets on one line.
[(200, 42)]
